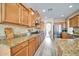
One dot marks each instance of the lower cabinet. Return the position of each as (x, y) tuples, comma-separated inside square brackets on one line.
[(37, 42), (22, 52), (20, 49), (32, 47), (27, 48)]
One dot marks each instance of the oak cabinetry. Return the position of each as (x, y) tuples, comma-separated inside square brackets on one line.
[(32, 18), (22, 52), (64, 35), (37, 42), (18, 14), (17, 50), (12, 13), (25, 16), (31, 47), (42, 26), (74, 21), (0, 13)]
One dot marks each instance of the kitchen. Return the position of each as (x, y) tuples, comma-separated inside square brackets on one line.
[(23, 28)]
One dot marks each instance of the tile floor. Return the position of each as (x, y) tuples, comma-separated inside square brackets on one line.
[(47, 48)]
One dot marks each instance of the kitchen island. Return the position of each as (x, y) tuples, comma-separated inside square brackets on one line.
[(21, 46), (69, 47)]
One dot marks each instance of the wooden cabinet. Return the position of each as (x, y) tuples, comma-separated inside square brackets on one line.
[(16, 13), (26, 48), (0, 12), (32, 18), (12, 13), (20, 50), (42, 26), (37, 42), (32, 46), (74, 21), (25, 16), (64, 35)]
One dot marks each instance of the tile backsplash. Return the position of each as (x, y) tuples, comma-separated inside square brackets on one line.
[(16, 29)]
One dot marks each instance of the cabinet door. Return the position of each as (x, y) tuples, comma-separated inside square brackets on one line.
[(71, 22), (33, 17), (31, 21), (37, 42), (31, 47), (74, 21), (25, 16), (0, 12), (12, 13), (22, 52)]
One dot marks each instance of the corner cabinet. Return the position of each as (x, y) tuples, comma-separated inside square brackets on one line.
[(74, 21)]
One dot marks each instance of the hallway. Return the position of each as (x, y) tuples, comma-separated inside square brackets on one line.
[(47, 48)]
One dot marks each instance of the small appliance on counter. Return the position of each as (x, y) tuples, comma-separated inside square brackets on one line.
[(9, 33), (70, 30)]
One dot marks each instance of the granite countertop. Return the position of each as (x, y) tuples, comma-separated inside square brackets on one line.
[(17, 40), (69, 47)]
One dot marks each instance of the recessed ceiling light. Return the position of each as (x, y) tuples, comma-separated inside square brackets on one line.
[(62, 15), (44, 10), (70, 6)]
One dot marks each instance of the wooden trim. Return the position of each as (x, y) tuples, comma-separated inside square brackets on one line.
[(3, 12), (23, 6)]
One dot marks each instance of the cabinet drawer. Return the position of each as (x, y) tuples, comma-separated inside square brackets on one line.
[(18, 47)]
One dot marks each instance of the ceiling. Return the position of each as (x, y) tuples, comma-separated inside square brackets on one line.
[(54, 10)]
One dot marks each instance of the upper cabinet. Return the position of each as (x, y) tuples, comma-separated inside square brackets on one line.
[(74, 21), (12, 13), (25, 16), (0, 13), (32, 18), (17, 13)]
